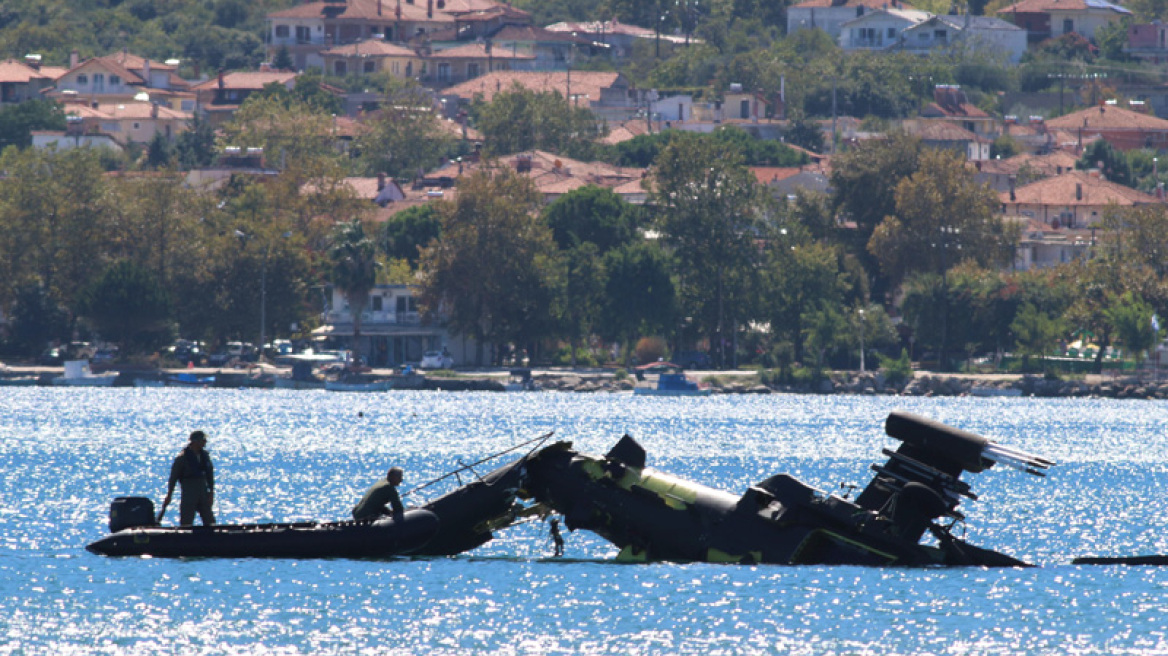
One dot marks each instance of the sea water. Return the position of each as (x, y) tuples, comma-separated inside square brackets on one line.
[(308, 455)]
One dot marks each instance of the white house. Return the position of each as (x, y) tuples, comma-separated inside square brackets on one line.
[(879, 29), (981, 33), (830, 15), (392, 332)]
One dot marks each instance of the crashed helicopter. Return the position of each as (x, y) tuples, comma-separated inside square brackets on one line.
[(653, 516)]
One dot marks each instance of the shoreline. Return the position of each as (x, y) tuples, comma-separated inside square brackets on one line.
[(924, 383)]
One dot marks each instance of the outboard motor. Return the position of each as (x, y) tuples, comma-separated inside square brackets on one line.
[(131, 512)]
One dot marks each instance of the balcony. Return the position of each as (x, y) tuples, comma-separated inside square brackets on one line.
[(372, 318)]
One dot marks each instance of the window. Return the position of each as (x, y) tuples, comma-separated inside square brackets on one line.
[(1068, 26), (376, 303), (115, 80), (302, 34), (83, 79), (282, 31), (472, 70), (98, 81), (137, 126), (369, 67), (940, 35), (892, 33), (340, 68), (443, 71)]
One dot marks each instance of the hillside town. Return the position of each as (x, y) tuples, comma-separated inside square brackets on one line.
[(400, 178)]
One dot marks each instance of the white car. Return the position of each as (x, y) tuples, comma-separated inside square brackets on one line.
[(436, 360)]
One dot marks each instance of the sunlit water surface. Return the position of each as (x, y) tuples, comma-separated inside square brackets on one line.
[(288, 455)]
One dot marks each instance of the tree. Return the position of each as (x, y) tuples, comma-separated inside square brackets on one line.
[(942, 217), (494, 270), (406, 233), (639, 295), (591, 214), (519, 119), (35, 320), (17, 121), (195, 147), (354, 272), (1113, 164), (159, 151), (1131, 319), (582, 293), (127, 305), (1036, 332), (799, 278), (403, 137), (865, 179), (709, 207)]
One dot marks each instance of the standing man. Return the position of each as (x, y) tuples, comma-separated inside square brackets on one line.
[(192, 470), (381, 496)]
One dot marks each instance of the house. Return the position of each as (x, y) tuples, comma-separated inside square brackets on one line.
[(466, 62), (23, 80), (308, 29), (1123, 128), (942, 134), (114, 123), (1022, 169), (123, 77), (392, 331), (553, 175), (1074, 199), (1042, 246), (1034, 136), (951, 105), (609, 95), (783, 182), (1050, 19), (1147, 42), (372, 56), (830, 15), (879, 29), (984, 34), (551, 51), (219, 97)]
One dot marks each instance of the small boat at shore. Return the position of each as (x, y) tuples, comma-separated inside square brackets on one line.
[(358, 385), (134, 532), (78, 374), (673, 384)]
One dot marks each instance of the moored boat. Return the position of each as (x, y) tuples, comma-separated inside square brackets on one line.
[(78, 374), (673, 384)]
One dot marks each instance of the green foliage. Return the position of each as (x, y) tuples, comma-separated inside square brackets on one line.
[(710, 206), (1115, 166), (650, 349), (495, 268), (35, 320), (806, 135), (639, 295), (403, 137), (1004, 147), (406, 233), (195, 147), (591, 214), (354, 271), (896, 370), (1036, 332), (519, 119), (1131, 319), (17, 121), (127, 305)]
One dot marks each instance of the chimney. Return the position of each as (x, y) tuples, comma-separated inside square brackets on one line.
[(378, 7), (221, 83), (1160, 191), (154, 110), (1078, 191), (74, 59), (1013, 182), (380, 181), (146, 70), (429, 8)]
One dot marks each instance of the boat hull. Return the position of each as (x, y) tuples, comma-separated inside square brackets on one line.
[(381, 538)]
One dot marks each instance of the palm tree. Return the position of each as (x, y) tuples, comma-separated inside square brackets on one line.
[(354, 271)]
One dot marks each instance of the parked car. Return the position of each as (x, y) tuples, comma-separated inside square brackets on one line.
[(436, 360), (186, 351)]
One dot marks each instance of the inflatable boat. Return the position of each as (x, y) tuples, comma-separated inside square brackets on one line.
[(134, 532)]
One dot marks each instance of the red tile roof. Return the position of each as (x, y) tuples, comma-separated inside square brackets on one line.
[(869, 4), (478, 51), (371, 48), (1064, 190), (1047, 6), (1107, 118), (17, 72), (584, 84), (253, 80)]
